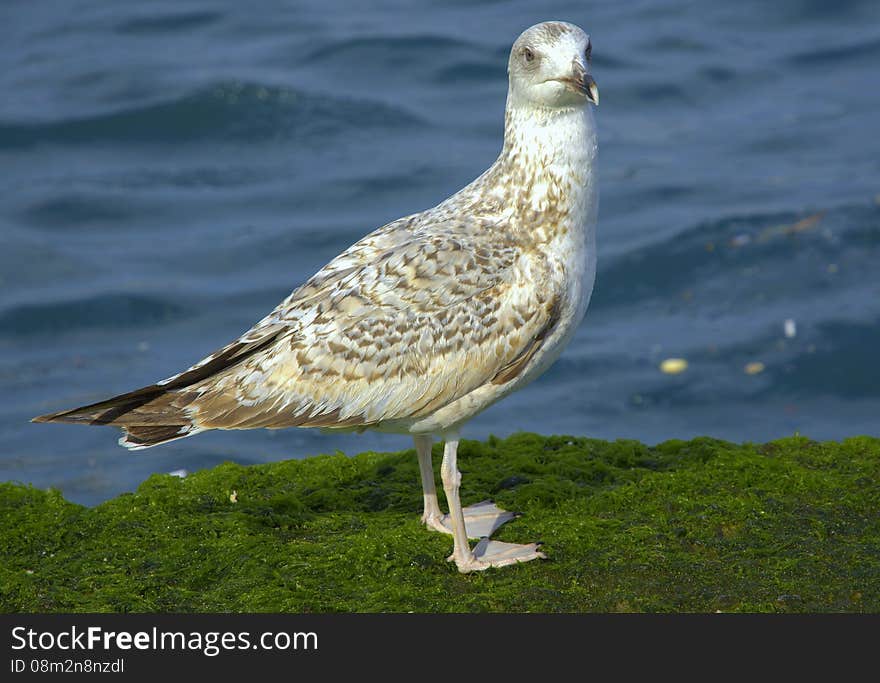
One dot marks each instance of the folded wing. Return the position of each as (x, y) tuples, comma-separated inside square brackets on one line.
[(404, 322)]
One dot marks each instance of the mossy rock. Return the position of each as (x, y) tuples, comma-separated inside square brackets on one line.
[(702, 525)]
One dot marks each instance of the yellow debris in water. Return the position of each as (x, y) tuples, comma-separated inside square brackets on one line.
[(673, 366), (754, 368)]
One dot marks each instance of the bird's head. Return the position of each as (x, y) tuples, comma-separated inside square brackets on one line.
[(549, 66)]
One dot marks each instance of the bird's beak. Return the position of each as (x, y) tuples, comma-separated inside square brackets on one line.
[(590, 89), (584, 83)]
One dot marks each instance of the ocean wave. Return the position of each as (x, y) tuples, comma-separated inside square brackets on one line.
[(408, 52), (436, 59), (709, 254), (167, 23), (867, 51), (654, 92), (241, 112), (469, 71), (103, 311), (832, 358), (70, 209), (841, 360)]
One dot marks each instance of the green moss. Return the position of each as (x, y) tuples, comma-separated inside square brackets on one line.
[(702, 525)]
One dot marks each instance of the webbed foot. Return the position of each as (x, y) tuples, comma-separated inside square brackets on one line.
[(496, 554), (481, 519)]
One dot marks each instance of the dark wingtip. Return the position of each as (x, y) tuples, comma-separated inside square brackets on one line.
[(61, 416)]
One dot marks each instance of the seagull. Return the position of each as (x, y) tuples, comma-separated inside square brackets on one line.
[(428, 320)]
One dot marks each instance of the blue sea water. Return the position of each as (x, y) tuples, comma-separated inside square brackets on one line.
[(171, 170)]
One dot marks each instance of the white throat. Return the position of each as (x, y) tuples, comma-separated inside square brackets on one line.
[(549, 156), (563, 137)]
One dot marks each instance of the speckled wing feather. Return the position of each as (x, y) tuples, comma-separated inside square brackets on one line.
[(409, 319)]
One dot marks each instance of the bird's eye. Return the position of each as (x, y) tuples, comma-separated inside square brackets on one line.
[(588, 53), (528, 55)]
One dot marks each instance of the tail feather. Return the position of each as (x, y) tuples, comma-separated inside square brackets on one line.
[(159, 413), (136, 438), (148, 416), (107, 411)]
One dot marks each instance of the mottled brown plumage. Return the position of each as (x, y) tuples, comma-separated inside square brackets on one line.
[(411, 318)]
